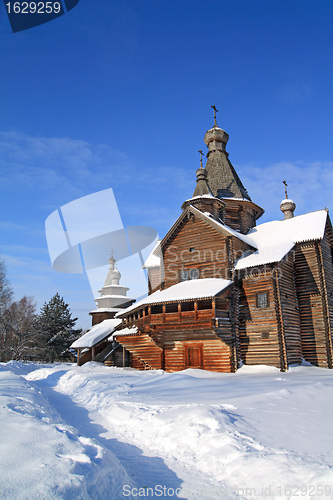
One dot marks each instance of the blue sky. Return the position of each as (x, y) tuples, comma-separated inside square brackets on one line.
[(117, 94)]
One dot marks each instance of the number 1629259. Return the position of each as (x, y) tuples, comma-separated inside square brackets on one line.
[(33, 7)]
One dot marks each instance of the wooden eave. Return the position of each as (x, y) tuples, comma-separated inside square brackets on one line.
[(329, 228), (259, 210)]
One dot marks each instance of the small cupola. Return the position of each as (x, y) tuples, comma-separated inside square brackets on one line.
[(202, 187), (216, 138), (287, 205), (203, 198)]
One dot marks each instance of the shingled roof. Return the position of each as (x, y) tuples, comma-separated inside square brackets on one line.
[(221, 176)]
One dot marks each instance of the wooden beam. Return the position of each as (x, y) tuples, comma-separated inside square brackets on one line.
[(278, 311)]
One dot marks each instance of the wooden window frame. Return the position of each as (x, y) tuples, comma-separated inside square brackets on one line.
[(267, 299), (185, 271), (190, 273)]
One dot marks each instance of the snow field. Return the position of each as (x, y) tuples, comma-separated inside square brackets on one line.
[(91, 431), (260, 437)]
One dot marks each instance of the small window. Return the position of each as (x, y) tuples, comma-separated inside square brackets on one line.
[(192, 249), (264, 335), (184, 275), (262, 300), (194, 274)]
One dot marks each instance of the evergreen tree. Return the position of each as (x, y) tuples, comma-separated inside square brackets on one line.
[(56, 328)]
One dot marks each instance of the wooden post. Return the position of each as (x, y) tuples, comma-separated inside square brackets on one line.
[(93, 353), (163, 315), (196, 310), (124, 357), (78, 356), (179, 312), (149, 314)]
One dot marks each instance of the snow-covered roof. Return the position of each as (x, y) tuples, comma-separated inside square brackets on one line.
[(224, 227), (275, 239), (106, 309), (202, 196), (96, 333), (185, 290), (125, 331), (154, 258)]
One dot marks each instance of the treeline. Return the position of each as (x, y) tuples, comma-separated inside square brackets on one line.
[(27, 335)]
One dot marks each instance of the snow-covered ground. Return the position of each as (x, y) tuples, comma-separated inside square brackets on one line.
[(69, 432)]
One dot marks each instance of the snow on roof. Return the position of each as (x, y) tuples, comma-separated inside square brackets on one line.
[(185, 290), (287, 200), (106, 309), (153, 259), (125, 331), (227, 229), (275, 239), (202, 196), (96, 333)]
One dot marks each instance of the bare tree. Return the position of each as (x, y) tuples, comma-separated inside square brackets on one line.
[(19, 322), (6, 293)]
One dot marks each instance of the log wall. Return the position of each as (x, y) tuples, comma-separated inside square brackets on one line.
[(290, 320), (310, 294), (327, 256), (240, 216), (258, 327), (197, 245)]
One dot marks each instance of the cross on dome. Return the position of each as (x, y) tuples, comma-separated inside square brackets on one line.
[(215, 111)]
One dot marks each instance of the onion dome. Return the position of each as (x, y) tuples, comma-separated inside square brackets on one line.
[(287, 207), (216, 139)]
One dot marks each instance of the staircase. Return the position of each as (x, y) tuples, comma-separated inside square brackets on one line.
[(143, 347)]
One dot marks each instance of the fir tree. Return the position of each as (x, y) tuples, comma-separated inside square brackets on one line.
[(56, 328)]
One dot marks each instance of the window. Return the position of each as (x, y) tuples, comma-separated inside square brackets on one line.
[(264, 335), (194, 274), (189, 274), (262, 300), (184, 275)]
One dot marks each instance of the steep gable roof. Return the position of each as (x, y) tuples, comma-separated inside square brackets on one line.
[(207, 217), (275, 239)]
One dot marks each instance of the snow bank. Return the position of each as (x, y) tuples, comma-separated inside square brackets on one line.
[(252, 431), (89, 431), (42, 457)]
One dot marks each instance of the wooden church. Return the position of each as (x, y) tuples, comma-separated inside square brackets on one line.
[(224, 290)]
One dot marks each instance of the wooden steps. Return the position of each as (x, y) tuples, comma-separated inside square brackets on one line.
[(144, 348)]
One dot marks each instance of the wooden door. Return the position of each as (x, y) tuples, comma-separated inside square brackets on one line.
[(194, 357)]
